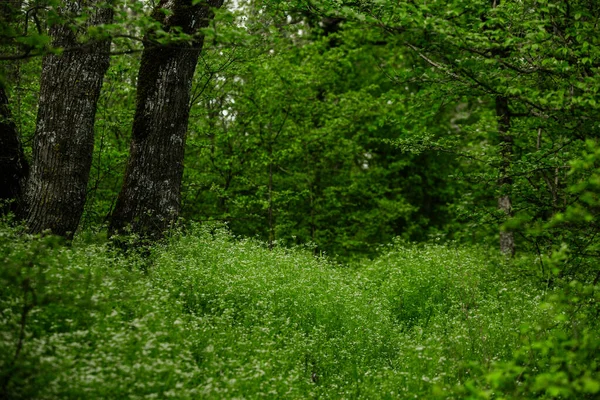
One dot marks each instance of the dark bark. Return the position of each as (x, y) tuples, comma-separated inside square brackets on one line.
[(13, 165), (507, 240), (149, 201), (64, 137)]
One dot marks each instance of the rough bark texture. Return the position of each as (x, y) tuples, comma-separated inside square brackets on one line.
[(507, 240), (13, 165), (64, 137), (149, 201)]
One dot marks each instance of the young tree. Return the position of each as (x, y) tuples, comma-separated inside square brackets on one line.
[(503, 114), (63, 145), (149, 201)]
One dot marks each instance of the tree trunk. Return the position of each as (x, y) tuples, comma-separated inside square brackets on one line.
[(149, 201), (507, 240), (64, 137), (13, 165)]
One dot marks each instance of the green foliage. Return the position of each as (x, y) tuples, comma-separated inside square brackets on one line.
[(558, 359), (581, 215), (116, 108), (218, 316), (335, 129), (539, 57), (289, 142), (72, 319)]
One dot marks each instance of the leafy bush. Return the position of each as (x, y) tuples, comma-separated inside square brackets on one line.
[(82, 322), (557, 358), (460, 311)]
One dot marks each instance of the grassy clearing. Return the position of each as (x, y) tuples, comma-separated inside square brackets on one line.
[(215, 316)]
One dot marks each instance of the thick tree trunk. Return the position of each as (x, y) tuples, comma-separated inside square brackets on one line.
[(507, 240), (149, 201), (64, 136)]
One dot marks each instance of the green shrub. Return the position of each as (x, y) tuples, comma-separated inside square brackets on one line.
[(82, 322), (558, 358), (460, 310)]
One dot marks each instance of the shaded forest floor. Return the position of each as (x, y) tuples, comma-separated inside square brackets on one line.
[(209, 315)]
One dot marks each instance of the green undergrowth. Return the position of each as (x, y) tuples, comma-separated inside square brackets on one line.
[(209, 315)]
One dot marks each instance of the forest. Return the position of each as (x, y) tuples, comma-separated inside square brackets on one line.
[(297, 199)]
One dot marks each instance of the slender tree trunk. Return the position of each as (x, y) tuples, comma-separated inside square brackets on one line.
[(149, 201), (64, 137), (270, 216), (507, 240)]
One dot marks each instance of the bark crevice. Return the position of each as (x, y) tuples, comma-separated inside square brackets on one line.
[(150, 199), (64, 138)]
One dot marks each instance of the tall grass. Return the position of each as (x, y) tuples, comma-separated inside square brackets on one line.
[(214, 316)]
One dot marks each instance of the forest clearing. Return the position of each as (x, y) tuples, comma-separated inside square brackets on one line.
[(297, 199)]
